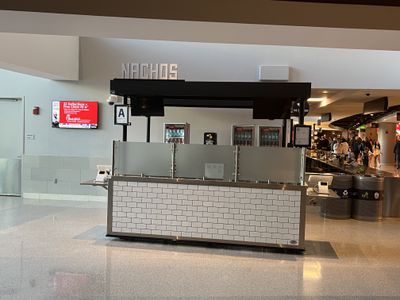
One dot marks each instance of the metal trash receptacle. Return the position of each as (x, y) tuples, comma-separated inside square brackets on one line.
[(342, 185), (368, 198), (391, 203)]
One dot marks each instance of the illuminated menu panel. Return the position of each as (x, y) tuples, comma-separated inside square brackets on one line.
[(75, 114)]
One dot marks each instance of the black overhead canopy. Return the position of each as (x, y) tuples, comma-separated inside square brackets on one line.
[(272, 100), (180, 89), (355, 121)]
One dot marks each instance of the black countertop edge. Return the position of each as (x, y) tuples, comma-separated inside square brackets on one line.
[(240, 184)]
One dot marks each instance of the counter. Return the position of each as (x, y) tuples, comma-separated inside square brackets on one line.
[(332, 166), (247, 213)]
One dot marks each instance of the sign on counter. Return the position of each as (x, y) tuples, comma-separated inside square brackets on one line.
[(302, 136)]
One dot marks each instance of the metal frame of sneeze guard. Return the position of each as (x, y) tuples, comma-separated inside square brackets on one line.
[(246, 163)]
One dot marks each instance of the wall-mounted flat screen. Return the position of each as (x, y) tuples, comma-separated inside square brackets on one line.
[(398, 128), (376, 106), (74, 114)]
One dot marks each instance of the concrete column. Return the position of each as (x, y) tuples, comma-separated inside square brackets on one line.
[(387, 139)]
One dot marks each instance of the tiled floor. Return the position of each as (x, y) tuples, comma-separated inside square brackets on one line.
[(57, 250), (391, 169)]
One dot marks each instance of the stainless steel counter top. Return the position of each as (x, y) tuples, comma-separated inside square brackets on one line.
[(312, 193), (349, 169), (244, 184)]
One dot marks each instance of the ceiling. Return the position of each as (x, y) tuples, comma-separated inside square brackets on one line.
[(358, 2), (298, 13), (343, 103), (343, 22)]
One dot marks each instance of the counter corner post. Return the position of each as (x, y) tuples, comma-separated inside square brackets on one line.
[(173, 160), (303, 166), (125, 127), (284, 133), (301, 110), (148, 129), (236, 163), (112, 158), (302, 229), (110, 205)]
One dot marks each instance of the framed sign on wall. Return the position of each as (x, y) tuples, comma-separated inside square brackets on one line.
[(210, 138)]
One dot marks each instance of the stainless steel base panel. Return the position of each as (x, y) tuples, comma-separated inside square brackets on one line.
[(336, 208), (391, 207), (367, 210)]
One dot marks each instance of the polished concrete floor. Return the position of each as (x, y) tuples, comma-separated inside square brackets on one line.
[(57, 250), (390, 169)]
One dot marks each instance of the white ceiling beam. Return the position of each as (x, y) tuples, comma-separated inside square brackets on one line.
[(193, 31)]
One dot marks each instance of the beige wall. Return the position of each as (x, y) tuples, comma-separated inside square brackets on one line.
[(387, 139)]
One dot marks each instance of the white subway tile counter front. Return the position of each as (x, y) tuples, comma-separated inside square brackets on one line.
[(223, 212)]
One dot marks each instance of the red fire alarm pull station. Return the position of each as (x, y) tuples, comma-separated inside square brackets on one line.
[(36, 110)]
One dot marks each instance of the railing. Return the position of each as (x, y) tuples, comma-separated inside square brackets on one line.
[(10, 177)]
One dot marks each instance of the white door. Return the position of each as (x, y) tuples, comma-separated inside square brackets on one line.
[(11, 146)]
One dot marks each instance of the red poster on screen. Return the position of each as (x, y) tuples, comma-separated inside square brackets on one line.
[(75, 114)]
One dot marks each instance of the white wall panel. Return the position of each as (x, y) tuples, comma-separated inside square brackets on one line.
[(214, 32), (101, 61), (48, 56)]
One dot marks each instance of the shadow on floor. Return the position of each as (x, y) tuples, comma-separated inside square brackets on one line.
[(320, 249), (20, 214)]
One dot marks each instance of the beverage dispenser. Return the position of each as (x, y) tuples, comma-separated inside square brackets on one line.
[(269, 136), (178, 133), (243, 135)]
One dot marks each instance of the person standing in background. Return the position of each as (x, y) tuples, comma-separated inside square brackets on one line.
[(342, 150), (377, 154), (333, 142), (370, 144), (397, 152), (343, 147), (323, 144), (365, 157), (334, 145), (357, 148)]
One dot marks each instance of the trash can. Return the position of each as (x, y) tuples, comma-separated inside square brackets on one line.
[(339, 208), (367, 198), (391, 203), (342, 184)]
